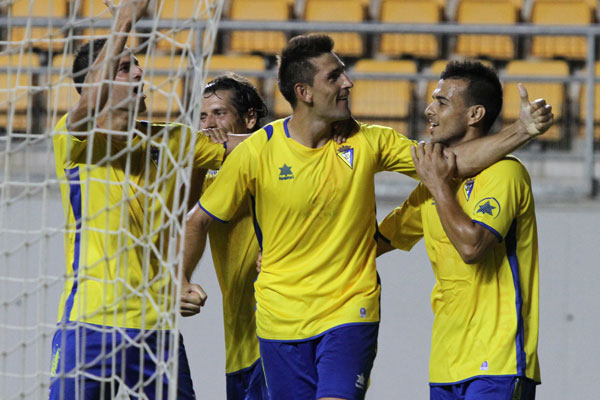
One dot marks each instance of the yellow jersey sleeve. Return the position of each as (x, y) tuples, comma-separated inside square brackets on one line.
[(207, 154), (499, 195), (393, 149), (68, 149), (403, 227)]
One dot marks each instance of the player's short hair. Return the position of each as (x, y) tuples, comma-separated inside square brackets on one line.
[(295, 65), (244, 95), (82, 61), (484, 87)]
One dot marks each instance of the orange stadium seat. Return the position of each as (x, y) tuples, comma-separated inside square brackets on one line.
[(486, 12), (42, 37), (164, 85), (348, 44), (241, 64), (61, 95), (16, 96), (95, 10), (266, 42), (281, 107), (560, 13), (553, 92), (413, 12), (583, 106), (374, 99)]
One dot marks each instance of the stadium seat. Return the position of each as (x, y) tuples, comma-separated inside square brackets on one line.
[(49, 37), (61, 95), (486, 12), (164, 85), (413, 12), (382, 99), (560, 13), (266, 42), (16, 91), (244, 65), (553, 92), (583, 106), (348, 44), (281, 108)]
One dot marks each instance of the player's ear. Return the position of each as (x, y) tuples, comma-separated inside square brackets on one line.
[(250, 118), (476, 114), (303, 92)]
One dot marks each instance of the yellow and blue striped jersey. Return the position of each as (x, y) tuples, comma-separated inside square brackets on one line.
[(117, 199), (314, 213), (485, 314), (234, 251)]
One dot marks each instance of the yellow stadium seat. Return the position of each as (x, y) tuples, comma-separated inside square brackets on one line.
[(560, 13), (16, 94), (348, 44), (61, 95), (42, 37), (382, 99), (486, 12), (414, 12), (553, 92), (163, 85), (583, 106), (266, 42), (95, 10), (238, 63), (281, 107)]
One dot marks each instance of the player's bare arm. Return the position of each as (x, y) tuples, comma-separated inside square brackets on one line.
[(473, 156), (436, 172), (105, 67), (196, 230)]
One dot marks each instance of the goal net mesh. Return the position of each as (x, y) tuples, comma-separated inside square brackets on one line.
[(49, 279)]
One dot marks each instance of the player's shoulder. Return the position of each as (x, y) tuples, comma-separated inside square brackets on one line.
[(508, 167), (268, 135)]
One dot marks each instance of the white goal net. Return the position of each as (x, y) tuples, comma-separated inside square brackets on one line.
[(103, 277)]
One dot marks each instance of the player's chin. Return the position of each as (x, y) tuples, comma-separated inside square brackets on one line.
[(142, 106)]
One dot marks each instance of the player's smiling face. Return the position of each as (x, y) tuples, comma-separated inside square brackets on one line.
[(448, 113), (128, 88), (218, 112), (331, 88)]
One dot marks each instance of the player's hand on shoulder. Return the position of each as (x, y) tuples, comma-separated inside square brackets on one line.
[(536, 117), (342, 130), (434, 164), (193, 298), (217, 135)]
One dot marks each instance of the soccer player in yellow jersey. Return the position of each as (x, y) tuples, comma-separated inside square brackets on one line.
[(118, 179), (317, 295), (481, 237), (233, 104)]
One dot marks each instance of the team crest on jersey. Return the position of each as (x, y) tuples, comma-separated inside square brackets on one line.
[(285, 173), (488, 206), (469, 188), (154, 153), (346, 153)]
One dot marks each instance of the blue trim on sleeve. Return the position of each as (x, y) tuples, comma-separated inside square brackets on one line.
[(269, 131), (75, 200), (225, 145), (511, 253), (212, 215), (495, 232), (285, 127), (257, 229)]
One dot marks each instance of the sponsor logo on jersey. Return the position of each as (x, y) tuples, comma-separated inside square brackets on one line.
[(363, 312), (346, 153), (469, 188), (285, 173), (488, 206), (484, 366), (360, 381), (154, 154)]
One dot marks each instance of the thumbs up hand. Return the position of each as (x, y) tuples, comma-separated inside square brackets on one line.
[(536, 117)]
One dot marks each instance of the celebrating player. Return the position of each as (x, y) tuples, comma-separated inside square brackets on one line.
[(481, 237), (117, 185), (317, 294)]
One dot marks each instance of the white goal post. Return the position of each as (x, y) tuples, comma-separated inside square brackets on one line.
[(173, 43)]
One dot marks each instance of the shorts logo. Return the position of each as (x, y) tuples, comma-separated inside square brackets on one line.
[(488, 206), (346, 153), (363, 312), (54, 365), (285, 173), (360, 381), (484, 366)]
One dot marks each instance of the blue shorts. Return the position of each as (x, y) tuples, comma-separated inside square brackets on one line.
[(90, 361), (486, 388), (337, 363), (247, 384)]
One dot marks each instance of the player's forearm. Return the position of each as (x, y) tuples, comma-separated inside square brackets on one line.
[(233, 139), (196, 230), (476, 155), (460, 229)]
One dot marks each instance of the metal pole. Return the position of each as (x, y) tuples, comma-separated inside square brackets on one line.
[(589, 118)]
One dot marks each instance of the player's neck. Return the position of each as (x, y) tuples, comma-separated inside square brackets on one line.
[(116, 121), (308, 131)]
